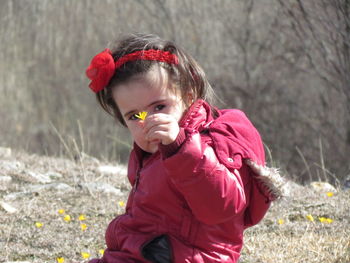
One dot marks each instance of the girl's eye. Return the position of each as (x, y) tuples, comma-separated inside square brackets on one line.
[(133, 117), (159, 107)]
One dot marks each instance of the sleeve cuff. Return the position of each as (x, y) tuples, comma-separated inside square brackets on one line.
[(170, 149)]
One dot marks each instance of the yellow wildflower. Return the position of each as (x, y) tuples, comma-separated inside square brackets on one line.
[(101, 251), (329, 194), (67, 218), (60, 260), (85, 255), (38, 224), (82, 217), (280, 221), (329, 220), (141, 115), (322, 219), (310, 218), (61, 211), (83, 227), (325, 220), (121, 203)]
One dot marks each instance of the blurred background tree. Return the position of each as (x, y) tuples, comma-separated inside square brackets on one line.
[(285, 63)]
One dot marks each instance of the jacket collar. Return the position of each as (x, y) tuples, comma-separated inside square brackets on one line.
[(198, 116)]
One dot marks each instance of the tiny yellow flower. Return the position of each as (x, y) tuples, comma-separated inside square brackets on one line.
[(101, 251), (329, 220), (322, 219), (82, 217), (61, 211), (329, 194), (67, 218), (60, 260), (325, 220), (85, 255), (39, 224), (141, 115), (121, 203), (83, 227), (310, 218), (280, 221)]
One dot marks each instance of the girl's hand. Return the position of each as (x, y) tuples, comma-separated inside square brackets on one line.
[(161, 127)]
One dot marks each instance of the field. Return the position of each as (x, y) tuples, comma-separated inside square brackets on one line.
[(56, 210)]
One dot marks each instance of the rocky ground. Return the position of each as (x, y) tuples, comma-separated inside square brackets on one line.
[(56, 210)]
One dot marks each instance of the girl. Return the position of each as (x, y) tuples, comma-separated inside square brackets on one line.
[(197, 173)]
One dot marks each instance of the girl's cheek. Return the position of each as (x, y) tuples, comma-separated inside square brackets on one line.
[(138, 131)]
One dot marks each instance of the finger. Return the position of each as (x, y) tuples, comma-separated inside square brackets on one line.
[(163, 137), (159, 119), (157, 128), (166, 133)]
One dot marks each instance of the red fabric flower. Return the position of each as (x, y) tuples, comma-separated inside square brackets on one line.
[(100, 70), (102, 67)]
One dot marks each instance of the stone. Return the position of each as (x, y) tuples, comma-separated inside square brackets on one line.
[(11, 167), (292, 189), (8, 208), (5, 181), (5, 152), (53, 175), (14, 196), (87, 158), (54, 186), (40, 178), (346, 184), (101, 187), (323, 187), (112, 170)]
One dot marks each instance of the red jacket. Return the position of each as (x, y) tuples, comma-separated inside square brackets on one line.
[(196, 190)]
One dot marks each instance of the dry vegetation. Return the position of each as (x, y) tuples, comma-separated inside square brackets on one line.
[(285, 235), (285, 63)]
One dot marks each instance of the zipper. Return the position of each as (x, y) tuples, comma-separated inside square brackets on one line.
[(133, 191), (137, 180), (142, 164)]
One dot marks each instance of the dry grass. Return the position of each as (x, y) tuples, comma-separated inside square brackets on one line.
[(21, 240), (298, 239), (295, 240), (249, 50)]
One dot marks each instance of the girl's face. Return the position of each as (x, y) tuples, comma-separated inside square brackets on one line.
[(151, 92)]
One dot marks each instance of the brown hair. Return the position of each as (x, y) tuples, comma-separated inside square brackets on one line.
[(187, 75)]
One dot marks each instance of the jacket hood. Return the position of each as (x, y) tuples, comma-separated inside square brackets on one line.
[(198, 116), (231, 130), (236, 137)]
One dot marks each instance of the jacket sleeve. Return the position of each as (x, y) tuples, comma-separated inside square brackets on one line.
[(213, 193)]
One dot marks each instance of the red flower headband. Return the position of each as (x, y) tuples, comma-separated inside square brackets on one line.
[(102, 67)]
